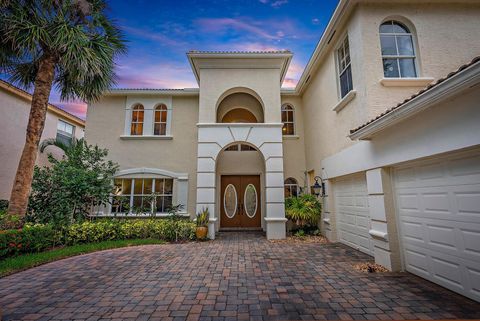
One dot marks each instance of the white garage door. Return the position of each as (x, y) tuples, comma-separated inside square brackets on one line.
[(352, 214), (438, 203)]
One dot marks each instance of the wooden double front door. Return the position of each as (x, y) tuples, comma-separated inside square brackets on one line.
[(240, 201)]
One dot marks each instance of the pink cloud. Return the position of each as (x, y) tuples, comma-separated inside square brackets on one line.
[(76, 108), (155, 76)]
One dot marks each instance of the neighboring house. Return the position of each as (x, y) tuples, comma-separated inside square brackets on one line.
[(402, 183), (14, 111)]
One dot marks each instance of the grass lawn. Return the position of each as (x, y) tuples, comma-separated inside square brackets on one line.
[(19, 263)]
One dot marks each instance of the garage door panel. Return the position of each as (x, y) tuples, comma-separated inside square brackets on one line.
[(468, 202), (471, 241), (416, 262), (438, 206), (450, 237), (466, 166), (352, 214)]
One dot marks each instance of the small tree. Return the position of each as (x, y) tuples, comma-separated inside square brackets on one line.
[(69, 189)]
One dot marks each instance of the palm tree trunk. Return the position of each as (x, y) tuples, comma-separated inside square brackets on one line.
[(38, 112)]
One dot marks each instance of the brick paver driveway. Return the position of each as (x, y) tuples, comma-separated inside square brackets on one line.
[(238, 276)]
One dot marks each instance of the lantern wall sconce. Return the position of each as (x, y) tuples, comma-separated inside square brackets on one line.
[(318, 188)]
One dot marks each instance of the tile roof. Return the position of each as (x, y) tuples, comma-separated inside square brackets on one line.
[(240, 52), (423, 91), (15, 88)]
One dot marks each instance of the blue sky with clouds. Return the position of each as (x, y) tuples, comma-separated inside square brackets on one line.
[(161, 32)]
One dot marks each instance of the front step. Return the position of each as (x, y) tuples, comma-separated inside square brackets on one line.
[(240, 229)]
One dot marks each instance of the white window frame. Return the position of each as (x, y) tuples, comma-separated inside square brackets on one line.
[(134, 109), (64, 132), (131, 195), (398, 57), (283, 109), (149, 104), (290, 186), (342, 60), (161, 111)]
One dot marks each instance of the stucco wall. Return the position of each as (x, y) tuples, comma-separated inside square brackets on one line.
[(105, 125), (14, 112), (263, 82), (447, 38), (294, 147)]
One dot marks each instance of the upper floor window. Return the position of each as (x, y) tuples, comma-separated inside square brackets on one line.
[(288, 120), (398, 52), (291, 187), (160, 122), (65, 132), (136, 127), (344, 68)]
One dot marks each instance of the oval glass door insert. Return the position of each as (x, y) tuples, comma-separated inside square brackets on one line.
[(250, 199), (230, 201)]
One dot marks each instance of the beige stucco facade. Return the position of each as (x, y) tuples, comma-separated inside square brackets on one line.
[(14, 109), (359, 170)]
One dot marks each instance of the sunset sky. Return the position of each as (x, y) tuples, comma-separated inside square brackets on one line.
[(160, 33)]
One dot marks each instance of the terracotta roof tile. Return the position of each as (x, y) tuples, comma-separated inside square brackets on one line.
[(424, 90), (239, 52)]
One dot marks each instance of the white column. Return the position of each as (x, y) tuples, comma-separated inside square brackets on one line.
[(328, 209), (274, 199), (382, 219)]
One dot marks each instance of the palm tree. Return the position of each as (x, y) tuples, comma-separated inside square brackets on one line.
[(70, 44), (61, 144)]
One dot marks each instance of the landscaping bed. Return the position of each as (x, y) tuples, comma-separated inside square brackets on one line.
[(42, 237)]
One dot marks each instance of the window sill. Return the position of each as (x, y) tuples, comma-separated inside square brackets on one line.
[(345, 100), (406, 82), (158, 215), (290, 137), (146, 137)]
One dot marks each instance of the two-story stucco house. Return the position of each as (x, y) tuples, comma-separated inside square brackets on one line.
[(14, 110), (382, 114)]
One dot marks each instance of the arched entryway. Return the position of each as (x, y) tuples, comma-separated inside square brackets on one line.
[(240, 176)]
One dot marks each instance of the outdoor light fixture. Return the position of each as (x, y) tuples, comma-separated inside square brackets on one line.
[(318, 188)]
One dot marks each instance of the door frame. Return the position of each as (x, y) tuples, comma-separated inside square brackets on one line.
[(218, 195)]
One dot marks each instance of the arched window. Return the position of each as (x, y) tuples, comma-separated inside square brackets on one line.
[(288, 120), (398, 52), (136, 127), (160, 122), (291, 187)]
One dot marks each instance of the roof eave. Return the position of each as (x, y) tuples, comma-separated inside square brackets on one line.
[(169, 92), (51, 108), (340, 13), (286, 55), (447, 89)]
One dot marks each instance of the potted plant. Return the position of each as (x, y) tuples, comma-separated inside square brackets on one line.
[(202, 224)]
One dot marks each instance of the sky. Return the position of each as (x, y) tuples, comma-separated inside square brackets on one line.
[(160, 32)]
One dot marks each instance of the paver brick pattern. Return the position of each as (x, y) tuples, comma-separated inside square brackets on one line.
[(239, 276)]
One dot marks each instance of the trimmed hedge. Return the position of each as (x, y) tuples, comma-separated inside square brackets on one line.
[(39, 237)]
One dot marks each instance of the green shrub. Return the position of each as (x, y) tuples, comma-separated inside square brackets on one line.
[(40, 237), (303, 210), (30, 239)]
